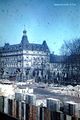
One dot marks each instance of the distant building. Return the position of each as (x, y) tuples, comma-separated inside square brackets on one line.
[(57, 63), (17, 60)]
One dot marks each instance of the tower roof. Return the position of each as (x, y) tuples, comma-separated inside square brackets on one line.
[(45, 46), (24, 40)]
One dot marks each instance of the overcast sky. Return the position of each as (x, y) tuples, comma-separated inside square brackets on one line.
[(50, 20)]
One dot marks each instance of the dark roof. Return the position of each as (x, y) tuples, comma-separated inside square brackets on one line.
[(25, 45), (10, 48), (57, 58), (30, 46)]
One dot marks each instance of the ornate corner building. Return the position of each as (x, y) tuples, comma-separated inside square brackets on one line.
[(20, 60)]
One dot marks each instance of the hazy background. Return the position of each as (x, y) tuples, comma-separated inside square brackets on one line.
[(50, 20)]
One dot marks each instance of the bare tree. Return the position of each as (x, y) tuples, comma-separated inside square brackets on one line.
[(71, 49)]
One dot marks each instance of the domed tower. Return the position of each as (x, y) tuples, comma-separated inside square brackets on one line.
[(24, 40)]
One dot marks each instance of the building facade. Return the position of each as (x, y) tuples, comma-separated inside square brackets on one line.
[(22, 59)]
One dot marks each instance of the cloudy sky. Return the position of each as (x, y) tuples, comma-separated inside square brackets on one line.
[(50, 20)]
